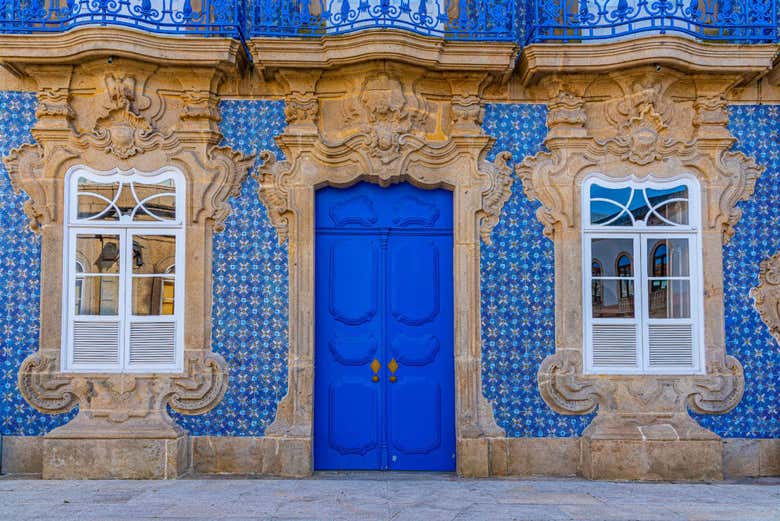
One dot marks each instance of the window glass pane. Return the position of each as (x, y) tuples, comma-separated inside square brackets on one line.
[(668, 258), (612, 298), (670, 206), (608, 205), (669, 299), (615, 256), (153, 296), (154, 201), (97, 253), (154, 254), (626, 206), (98, 201), (96, 295), (168, 294)]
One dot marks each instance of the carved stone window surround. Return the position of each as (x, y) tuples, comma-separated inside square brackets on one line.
[(619, 125), (690, 234), (135, 116)]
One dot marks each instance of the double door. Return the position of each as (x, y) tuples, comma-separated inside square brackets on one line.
[(384, 365)]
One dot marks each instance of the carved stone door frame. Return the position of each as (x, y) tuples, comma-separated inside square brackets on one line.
[(385, 153)]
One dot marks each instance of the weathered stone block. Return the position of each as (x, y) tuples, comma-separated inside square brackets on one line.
[(118, 458), (473, 457), (228, 455), (740, 457), (296, 457), (288, 457), (769, 457), (544, 456), (499, 456), (642, 460), (21, 455)]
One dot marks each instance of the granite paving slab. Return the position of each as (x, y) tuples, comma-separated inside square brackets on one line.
[(387, 497)]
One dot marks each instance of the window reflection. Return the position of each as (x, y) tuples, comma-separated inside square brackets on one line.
[(110, 201), (627, 206), (154, 272), (668, 257), (598, 295), (669, 299), (612, 278)]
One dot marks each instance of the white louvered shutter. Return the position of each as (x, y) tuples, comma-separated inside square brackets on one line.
[(152, 343), (95, 343), (614, 345), (670, 345)]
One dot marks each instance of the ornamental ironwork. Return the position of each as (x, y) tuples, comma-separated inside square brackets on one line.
[(519, 21), (198, 17), (495, 20), (572, 21)]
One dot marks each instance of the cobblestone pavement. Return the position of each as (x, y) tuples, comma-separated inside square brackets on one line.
[(368, 497)]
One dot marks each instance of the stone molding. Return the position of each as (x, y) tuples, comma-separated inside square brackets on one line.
[(130, 115), (385, 142), (767, 294), (17, 51), (387, 44), (639, 122), (748, 61)]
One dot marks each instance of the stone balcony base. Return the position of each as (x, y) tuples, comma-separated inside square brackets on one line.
[(162, 458)]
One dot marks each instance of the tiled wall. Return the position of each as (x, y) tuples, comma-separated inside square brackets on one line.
[(250, 287), (757, 128), (20, 265), (518, 320)]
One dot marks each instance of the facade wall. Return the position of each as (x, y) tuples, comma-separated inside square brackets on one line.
[(757, 237), (249, 315), (20, 259), (517, 290), (250, 287)]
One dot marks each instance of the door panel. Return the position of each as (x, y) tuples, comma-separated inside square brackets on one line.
[(354, 268), (349, 405), (414, 279), (353, 404), (384, 357), (421, 399)]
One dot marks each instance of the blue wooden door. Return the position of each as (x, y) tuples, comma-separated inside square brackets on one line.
[(384, 357)]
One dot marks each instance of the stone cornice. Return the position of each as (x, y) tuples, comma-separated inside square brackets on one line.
[(85, 43), (403, 46), (685, 54)]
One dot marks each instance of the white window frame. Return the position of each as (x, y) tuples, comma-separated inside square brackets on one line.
[(126, 230), (639, 234)]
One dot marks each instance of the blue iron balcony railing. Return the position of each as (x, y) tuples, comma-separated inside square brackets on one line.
[(569, 21), (493, 20), (197, 17), (520, 21)]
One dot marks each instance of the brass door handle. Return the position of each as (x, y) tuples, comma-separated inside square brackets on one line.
[(393, 367), (375, 366)]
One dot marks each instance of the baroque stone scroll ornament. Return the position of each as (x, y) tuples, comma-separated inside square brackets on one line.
[(767, 294)]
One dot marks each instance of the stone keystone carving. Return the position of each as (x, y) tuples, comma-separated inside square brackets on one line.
[(389, 118), (767, 294), (121, 130)]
